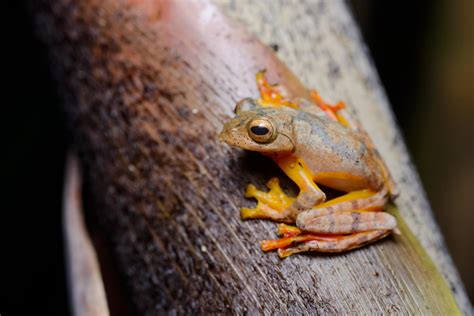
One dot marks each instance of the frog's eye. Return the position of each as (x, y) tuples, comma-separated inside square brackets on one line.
[(244, 105), (261, 130)]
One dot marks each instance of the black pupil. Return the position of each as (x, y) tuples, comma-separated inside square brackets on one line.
[(259, 130)]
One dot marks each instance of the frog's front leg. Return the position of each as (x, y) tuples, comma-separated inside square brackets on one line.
[(270, 205), (310, 194), (275, 204)]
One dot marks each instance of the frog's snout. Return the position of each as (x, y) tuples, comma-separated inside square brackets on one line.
[(234, 133), (227, 134), (222, 136)]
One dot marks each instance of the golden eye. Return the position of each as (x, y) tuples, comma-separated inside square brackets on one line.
[(261, 130)]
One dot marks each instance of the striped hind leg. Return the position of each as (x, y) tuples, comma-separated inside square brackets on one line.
[(351, 213), (341, 224), (295, 240), (335, 244)]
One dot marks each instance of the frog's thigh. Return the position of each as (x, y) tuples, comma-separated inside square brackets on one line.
[(357, 200), (348, 222), (338, 244)]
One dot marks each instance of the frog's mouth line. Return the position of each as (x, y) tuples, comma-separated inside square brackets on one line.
[(293, 145)]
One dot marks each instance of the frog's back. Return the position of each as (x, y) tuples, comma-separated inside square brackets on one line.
[(337, 156)]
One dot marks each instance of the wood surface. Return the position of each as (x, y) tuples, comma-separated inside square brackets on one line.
[(147, 86)]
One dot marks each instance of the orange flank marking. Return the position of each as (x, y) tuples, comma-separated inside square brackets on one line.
[(329, 178), (362, 194), (272, 95)]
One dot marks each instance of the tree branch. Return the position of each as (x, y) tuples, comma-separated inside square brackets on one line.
[(147, 86)]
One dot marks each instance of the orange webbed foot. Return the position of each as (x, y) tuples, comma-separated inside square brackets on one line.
[(272, 95), (332, 111)]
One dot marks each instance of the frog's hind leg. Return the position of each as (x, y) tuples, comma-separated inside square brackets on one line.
[(348, 222), (352, 213), (340, 224), (272, 95), (364, 205), (294, 240), (332, 111), (335, 243)]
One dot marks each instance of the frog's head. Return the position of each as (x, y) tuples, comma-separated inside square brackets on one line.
[(258, 128)]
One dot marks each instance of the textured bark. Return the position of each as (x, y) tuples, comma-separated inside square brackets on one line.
[(147, 86)]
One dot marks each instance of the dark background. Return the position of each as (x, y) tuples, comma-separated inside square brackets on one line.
[(423, 52)]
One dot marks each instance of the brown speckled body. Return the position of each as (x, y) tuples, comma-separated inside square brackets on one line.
[(329, 147), (337, 156)]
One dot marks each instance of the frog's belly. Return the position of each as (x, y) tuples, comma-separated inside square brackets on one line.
[(342, 181), (347, 175)]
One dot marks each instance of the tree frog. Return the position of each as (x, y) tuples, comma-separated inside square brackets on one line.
[(314, 144)]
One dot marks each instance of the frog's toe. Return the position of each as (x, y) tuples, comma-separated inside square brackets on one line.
[(274, 185), (251, 191), (260, 211)]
